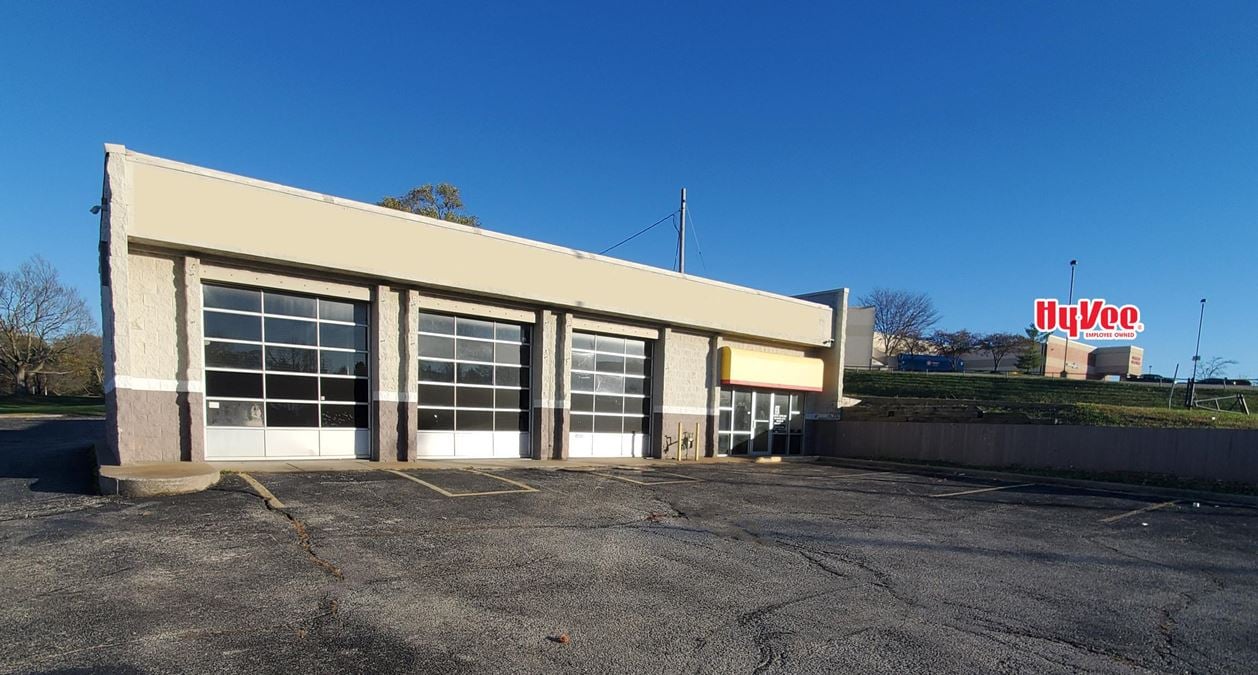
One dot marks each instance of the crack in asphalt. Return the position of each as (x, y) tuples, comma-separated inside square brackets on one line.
[(1007, 629), (304, 539)]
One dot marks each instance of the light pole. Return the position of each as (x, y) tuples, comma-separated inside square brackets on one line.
[(1070, 299), (1196, 358)]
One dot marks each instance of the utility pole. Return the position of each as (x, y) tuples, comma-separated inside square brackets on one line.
[(681, 236)]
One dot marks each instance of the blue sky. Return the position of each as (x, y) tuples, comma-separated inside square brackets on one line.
[(968, 150)]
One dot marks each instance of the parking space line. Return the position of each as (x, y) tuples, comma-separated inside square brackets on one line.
[(270, 499), (684, 479), (421, 482), (522, 486), (1151, 507), (447, 493), (989, 489)]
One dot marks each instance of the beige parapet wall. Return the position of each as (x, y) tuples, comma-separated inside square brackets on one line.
[(194, 209)]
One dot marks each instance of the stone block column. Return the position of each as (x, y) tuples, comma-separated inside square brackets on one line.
[(822, 410), (387, 339), (191, 398), (115, 217), (551, 367), (408, 410)]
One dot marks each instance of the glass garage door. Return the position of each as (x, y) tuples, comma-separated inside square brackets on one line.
[(757, 422), (285, 375), (611, 396), (473, 387)]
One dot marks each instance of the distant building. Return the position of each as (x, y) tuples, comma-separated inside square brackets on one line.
[(866, 350)]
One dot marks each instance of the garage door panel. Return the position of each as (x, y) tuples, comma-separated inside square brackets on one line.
[(509, 445), (292, 442), (344, 443), (435, 444), (235, 443), (611, 396), (263, 395), (473, 387), (474, 444)]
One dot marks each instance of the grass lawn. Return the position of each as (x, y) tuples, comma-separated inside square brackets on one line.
[(52, 405)]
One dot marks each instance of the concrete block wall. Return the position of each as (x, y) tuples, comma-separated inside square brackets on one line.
[(388, 395), (686, 379), (155, 393)]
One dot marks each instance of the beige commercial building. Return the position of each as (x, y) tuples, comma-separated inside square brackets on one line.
[(250, 320)]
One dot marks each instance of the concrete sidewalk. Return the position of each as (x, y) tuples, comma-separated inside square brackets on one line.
[(579, 464)]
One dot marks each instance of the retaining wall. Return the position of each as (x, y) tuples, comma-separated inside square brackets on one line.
[(1213, 454)]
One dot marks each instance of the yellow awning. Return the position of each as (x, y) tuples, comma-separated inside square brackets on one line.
[(746, 368)]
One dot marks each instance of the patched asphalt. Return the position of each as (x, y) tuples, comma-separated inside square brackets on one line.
[(750, 568)]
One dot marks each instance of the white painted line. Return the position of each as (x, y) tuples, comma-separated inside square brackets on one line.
[(684, 479), (421, 482), (447, 493), (522, 486), (678, 475), (1151, 507), (990, 489), (270, 499)]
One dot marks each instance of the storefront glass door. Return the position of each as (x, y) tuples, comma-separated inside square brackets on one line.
[(760, 422)]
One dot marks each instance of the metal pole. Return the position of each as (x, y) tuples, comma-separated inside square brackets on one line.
[(681, 236), (697, 450), (1171, 396), (1065, 357), (1196, 358)]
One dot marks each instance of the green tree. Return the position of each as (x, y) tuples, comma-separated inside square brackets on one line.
[(441, 201), (1031, 360)]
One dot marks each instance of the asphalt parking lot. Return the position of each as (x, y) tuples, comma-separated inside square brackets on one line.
[(796, 567)]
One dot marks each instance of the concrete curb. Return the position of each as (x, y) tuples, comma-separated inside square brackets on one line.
[(1126, 488), (152, 480)]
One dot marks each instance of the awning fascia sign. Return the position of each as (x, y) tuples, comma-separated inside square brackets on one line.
[(747, 368)]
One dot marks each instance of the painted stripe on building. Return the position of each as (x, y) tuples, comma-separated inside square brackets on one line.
[(397, 396), (154, 384)]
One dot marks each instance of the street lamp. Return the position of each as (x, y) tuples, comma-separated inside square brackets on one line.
[(1196, 358), (1070, 299)]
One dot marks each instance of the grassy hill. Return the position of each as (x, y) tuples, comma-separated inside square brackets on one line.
[(1023, 389), (995, 399)]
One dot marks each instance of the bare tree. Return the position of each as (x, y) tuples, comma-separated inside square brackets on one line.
[(953, 343), (1214, 367), (903, 317), (36, 312), (1000, 345)]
